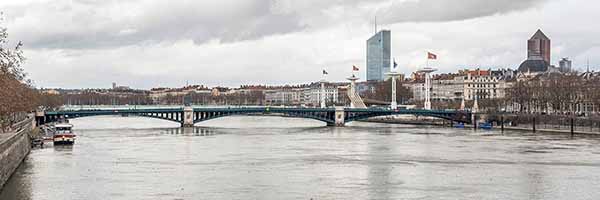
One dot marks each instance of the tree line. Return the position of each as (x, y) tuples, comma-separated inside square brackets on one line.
[(555, 93), (17, 94), (381, 91), (144, 98)]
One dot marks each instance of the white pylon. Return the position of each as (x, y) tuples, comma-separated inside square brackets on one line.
[(427, 72), (394, 76), (352, 90), (355, 100), (323, 105), (427, 92), (475, 105)]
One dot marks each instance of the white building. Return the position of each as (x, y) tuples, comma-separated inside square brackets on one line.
[(313, 94), (466, 84), (285, 96), (487, 84)]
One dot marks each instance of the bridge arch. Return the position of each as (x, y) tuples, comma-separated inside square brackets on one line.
[(331, 116), (451, 116), (210, 115), (57, 116)]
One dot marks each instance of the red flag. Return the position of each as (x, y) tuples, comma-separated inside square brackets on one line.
[(354, 68), (431, 56)]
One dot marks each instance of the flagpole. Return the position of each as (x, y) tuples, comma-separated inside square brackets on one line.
[(322, 92), (427, 61)]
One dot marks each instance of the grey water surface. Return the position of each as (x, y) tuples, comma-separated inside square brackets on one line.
[(251, 157)]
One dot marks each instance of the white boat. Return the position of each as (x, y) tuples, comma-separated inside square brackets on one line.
[(63, 134)]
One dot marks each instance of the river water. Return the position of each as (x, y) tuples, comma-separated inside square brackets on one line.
[(288, 158)]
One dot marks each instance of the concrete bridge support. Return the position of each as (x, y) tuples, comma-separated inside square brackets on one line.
[(40, 117), (188, 117), (340, 116)]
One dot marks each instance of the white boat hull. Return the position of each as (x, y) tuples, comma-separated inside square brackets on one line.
[(64, 140)]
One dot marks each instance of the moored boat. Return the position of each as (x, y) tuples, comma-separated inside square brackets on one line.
[(486, 125), (63, 134)]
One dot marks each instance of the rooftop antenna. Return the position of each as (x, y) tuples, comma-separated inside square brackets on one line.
[(375, 24), (588, 65)]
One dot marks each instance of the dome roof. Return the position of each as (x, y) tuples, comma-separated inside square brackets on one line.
[(534, 66)]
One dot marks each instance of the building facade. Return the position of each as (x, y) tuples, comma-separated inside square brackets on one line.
[(486, 84), (538, 47), (447, 89), (444, 87), (538, 56), (378, 55), (564, 65), (285, 96), (466, 84), (313, 94)]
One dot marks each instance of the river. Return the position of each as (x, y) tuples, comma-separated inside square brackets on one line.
[(286, 158)]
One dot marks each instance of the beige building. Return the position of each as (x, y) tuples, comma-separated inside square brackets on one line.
[(467, 84), (486, 84)]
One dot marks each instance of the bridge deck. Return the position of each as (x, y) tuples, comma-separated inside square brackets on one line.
[(202, 114)]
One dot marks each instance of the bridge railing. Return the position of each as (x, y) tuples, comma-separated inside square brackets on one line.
[(114, 111), (257, 109), (264, 109)]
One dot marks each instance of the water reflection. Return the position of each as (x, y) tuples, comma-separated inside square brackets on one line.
[(192, 131), (19, 187), (535, 178), (63, 148), (380, 165)]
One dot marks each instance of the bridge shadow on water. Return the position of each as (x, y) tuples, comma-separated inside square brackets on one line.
[(192, 131), (212, 131)]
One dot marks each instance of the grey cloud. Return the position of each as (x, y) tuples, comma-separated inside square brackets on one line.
[(451, 10), (89, 24)]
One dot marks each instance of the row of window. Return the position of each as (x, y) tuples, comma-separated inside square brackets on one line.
[(483, 85)]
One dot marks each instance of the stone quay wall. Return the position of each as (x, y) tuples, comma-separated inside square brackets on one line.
[(14, 147)]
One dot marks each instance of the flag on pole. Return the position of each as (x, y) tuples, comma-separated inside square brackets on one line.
[(431, 56), (395, 64), (325, 72), (354, 68)]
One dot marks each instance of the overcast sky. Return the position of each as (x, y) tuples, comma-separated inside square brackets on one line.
[(145, 44)]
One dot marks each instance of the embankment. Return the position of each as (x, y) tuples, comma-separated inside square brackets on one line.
[(14, 147)]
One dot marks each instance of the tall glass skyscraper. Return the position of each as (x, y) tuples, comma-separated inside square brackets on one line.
[(378, 55)]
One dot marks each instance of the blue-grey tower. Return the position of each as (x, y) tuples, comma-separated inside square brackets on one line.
[(378, 55)]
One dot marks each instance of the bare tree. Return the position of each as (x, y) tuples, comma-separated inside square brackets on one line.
[(383, 92), (16, 92)]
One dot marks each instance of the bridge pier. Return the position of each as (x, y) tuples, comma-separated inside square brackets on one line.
[(40, 117), (188, 117), (340, 116)]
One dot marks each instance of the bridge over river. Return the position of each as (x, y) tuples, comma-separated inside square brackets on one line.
[(188, 116)]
